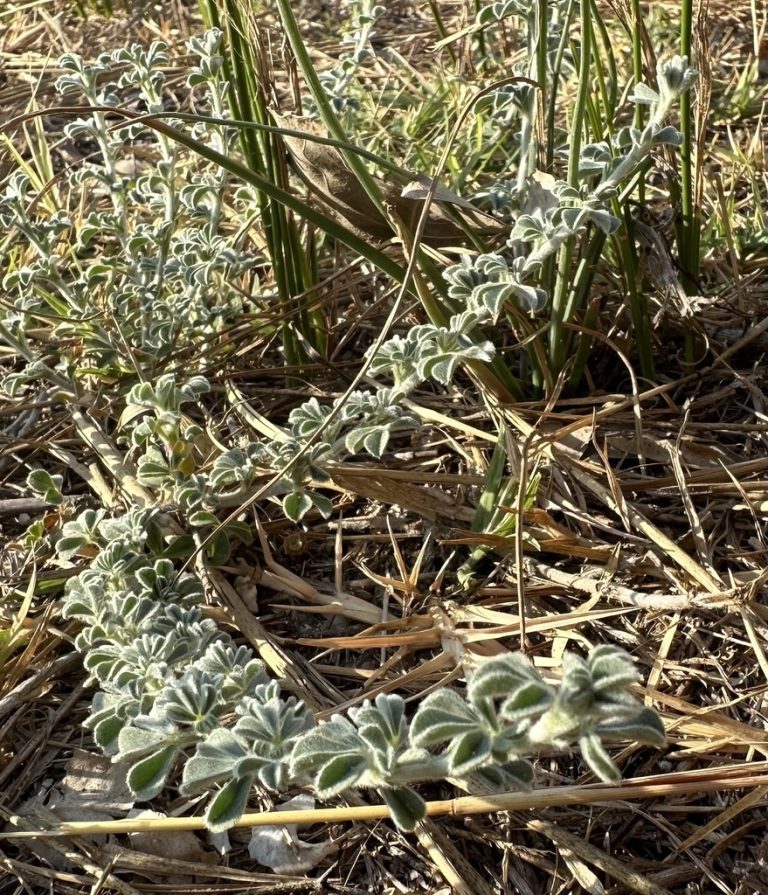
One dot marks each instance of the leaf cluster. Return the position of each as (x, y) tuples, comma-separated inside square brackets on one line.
[(171, 684)]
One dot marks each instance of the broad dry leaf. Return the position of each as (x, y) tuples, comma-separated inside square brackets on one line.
[(337, 189), (280, 848), (175, 845), (93, 789)]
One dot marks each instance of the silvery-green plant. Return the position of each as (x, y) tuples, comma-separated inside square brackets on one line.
[(544, 29), (604, 168), (165, 436), (484, 286), (146, 271), (310, 447), (170, 682), (562, 225), (508, 712), (336, 81), (175, 692)]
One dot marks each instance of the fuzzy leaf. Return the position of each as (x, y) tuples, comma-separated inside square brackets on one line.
[(107, 731), (219, 549), (147, 777), (41, 482), (341, 773), (406, 807), (296, 505), (201, 518), (530, 298), (215, 759), (669, 135), (611, 668), (514, 775), (468, 752), (442, 369), (527, 701), (442, 716), (520, 771), (387, 713), (607, 222), (324, 743), (598, 759), (136, 741), (228, 805), (645, 727), (643, 95), (500, 676), (322, 504)]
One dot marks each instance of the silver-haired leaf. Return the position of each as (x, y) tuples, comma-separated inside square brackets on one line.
[(645, 727), (468, 752), (341, 773), (442, 716), (147, 777), (406, 807), (643, 95), (215, 759), (611, 667), (296, 505), (106, 733), (228, 805), (527, 701), (606, 222), (598, 759), (514, 775), (500, 676), (324, 743), (669, 136), (136, 741), (530, 298)]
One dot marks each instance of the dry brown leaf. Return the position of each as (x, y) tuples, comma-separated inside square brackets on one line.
[(178, 845), (93, 789), (337, 189), (280, 848)]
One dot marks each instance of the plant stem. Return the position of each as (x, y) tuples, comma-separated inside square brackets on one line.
[(557, 337), (688, 224)]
